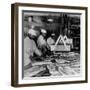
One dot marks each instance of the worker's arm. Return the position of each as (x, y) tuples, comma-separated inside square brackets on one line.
[(48, 46), (36, 50)]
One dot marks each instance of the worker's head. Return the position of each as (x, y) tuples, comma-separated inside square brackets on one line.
[(43, 32), (34, 32), (31, 33)]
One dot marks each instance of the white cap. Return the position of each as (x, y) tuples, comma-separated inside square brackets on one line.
[(32, 32), (43, 31)]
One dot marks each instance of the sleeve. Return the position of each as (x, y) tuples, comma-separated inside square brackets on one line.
[(36, 50)]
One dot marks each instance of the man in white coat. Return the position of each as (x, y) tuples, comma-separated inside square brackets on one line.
[(30, 48), (42, 43)]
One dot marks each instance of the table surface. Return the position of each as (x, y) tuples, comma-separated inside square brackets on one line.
[(60, 64)]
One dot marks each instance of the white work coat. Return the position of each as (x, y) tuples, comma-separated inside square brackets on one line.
[(29, 49), (41, 41)]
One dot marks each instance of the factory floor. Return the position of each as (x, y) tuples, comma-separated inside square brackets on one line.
[(61, 64)]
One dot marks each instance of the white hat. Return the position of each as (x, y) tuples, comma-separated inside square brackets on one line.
[(32, 32), (43, 31)]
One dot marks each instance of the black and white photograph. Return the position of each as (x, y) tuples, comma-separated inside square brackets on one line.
[(50, 44)]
